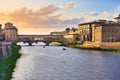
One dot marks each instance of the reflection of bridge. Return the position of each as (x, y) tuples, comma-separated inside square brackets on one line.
[(40, 38)]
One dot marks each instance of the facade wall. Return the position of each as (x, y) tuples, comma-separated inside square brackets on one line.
[(111, 34), (71, 38), (98, 34), (85, 32), (107, 45), (10, 34), (56, 33)]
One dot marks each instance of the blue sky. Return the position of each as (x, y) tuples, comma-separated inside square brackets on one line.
[(81, 5), (52, 15)]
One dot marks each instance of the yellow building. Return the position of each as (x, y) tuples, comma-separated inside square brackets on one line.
[(10, 32), (100, 31), (71, 35), (1, 35), (55, 33)]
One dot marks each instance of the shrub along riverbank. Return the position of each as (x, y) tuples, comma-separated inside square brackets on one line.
[(8, 64), (93, 48)]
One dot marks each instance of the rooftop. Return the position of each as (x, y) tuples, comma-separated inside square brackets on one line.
[(117, 17)]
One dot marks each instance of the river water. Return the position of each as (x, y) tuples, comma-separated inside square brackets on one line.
[(54, 63)]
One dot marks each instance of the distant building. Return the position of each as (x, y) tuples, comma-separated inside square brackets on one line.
[(10, 32), (71, 35), (100, 31), (73, 31), (71, 38), (1, 35), (56, 33), (117, 19)]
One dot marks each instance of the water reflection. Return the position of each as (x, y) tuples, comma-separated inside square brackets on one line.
[(53, 63), (34, 44)]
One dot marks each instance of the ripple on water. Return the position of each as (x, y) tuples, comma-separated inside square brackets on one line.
[(53, 63)]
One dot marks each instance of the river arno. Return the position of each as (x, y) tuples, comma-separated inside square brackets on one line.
[(53, 63)]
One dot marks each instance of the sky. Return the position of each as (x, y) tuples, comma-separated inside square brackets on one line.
[(45, 16)]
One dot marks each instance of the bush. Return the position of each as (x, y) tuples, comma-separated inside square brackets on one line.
[(8, 64), (72, 43), (93, 48)]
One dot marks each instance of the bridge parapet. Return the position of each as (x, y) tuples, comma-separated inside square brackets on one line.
[(40, 38)]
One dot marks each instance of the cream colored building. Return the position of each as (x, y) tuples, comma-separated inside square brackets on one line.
[(71, 35), (100, 31), (1, 35), (10, 32), (73, 31), (71, 38), (117, 19), (55, 33)]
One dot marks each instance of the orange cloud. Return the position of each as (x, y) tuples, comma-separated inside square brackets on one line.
[(70, 5), (106, 15), (45, 19)]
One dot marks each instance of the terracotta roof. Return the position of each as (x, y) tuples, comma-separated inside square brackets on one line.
[(89, 23), (117, 17)]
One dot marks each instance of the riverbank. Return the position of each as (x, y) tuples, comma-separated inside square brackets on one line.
[(94, 48), (8, 64)]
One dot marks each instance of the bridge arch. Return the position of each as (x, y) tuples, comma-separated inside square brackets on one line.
[(47, 39), (22, 43)]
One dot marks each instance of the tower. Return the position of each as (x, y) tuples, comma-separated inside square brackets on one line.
[(10, 32)]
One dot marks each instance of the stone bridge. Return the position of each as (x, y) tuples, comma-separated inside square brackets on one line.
[(40, 38)]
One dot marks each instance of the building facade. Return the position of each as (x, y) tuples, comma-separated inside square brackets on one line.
[(1, 31), (10, 32), (100, 31), (71, 35), (55, 33)]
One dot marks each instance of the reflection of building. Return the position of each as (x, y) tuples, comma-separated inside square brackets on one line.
[(100, 31), (10, 32)]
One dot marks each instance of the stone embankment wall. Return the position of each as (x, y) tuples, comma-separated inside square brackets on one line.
[(107, 45), (5, 50)]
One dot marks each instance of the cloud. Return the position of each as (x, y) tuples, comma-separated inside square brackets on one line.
[(93, 14), (118, 7), (106, 15), (69, 5), (44, 18), (47, 9)]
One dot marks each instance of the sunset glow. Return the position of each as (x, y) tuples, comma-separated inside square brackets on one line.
[(43, 17)]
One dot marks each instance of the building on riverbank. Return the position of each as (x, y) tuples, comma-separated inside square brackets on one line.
[(1, 33), (56, 33), (10, 32), (100, 31), (71, 35)]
